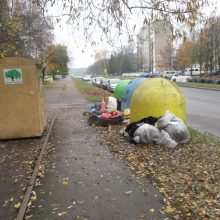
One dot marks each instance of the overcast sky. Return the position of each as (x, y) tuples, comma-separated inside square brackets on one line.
[(81, 53)]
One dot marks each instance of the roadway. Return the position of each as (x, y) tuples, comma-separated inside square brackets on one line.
[(203, 109)]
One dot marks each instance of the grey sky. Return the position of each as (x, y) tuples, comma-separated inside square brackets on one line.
[(81, 52)]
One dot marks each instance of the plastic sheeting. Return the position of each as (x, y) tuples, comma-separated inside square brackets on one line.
[(154, 97), (120, 88), (128, 92), (111, 104), (174, 127)]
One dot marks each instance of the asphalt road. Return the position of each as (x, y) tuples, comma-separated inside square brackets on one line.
[(203, 109)]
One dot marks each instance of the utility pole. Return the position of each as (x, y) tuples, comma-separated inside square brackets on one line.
[(149, 49)]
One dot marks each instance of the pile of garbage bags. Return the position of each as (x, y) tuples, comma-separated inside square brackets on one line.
[(144, 104), (104, 114), (167, 130)]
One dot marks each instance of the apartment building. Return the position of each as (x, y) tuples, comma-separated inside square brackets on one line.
[(154, 47)]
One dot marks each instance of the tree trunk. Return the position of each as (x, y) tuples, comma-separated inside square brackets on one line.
[(4, 10), (43, 75)]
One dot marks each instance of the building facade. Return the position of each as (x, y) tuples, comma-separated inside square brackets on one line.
[(154, 47), (144, 50)]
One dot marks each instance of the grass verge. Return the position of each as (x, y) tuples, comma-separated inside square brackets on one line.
[(188, 84), (91, 92), (199, 85)]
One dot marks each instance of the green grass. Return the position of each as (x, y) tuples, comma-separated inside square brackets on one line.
[(184, 84), (199, 85), (82, 86), (205, 138), (91, 92)]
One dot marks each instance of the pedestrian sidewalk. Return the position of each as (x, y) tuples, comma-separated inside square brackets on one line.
[(84, 180)]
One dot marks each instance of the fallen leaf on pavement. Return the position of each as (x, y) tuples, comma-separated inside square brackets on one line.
[(65, 181), (34, 196), (61, 213), (17, 206)]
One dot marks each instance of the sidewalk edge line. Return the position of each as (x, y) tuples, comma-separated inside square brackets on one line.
[(31, 183)]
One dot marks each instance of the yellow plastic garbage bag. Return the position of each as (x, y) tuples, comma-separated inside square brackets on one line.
[(154, 97), (126, 112)]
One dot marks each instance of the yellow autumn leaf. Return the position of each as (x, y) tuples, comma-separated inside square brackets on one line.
[(33, 198), (17, 206), (152, 210), (65, 182), (169, 210), (61, 213)]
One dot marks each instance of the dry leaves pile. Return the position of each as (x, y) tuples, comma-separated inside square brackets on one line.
[(188, 176), (97, 91)]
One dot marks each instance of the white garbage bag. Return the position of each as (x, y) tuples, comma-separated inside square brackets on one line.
[(166, 140), (111, 104), (147, 134), (174, 127)]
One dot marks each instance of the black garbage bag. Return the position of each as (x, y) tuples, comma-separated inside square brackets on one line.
[(131, 128)]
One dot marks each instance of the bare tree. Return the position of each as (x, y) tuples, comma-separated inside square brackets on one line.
[(23, 30), (4, 10), (125, 15)]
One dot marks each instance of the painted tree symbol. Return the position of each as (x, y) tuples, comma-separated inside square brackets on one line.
[(13, 74)]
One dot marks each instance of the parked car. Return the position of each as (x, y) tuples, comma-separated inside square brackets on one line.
[(112, 83), (217, 81), (150, 75), (58, 77), (78, 76), (216, 72), (104, 83), (180, 78), (97, 81), (168, 74), (193, 71), (86, 78), (48, 79), (93, 80)]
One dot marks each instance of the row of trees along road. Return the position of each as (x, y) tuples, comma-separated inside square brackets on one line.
[(123, 61), (113, 19), (203, 48), (25, 32)]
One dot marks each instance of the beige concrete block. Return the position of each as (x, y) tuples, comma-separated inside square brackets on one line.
[(21, 106)]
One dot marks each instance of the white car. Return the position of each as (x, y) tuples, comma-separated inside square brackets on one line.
[(48, 79), (97, 81), (193, 71), (86, 78), (180, 78), (112, 83), (168, 74)]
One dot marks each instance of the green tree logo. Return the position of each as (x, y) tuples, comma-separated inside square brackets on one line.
[(13, 74)]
